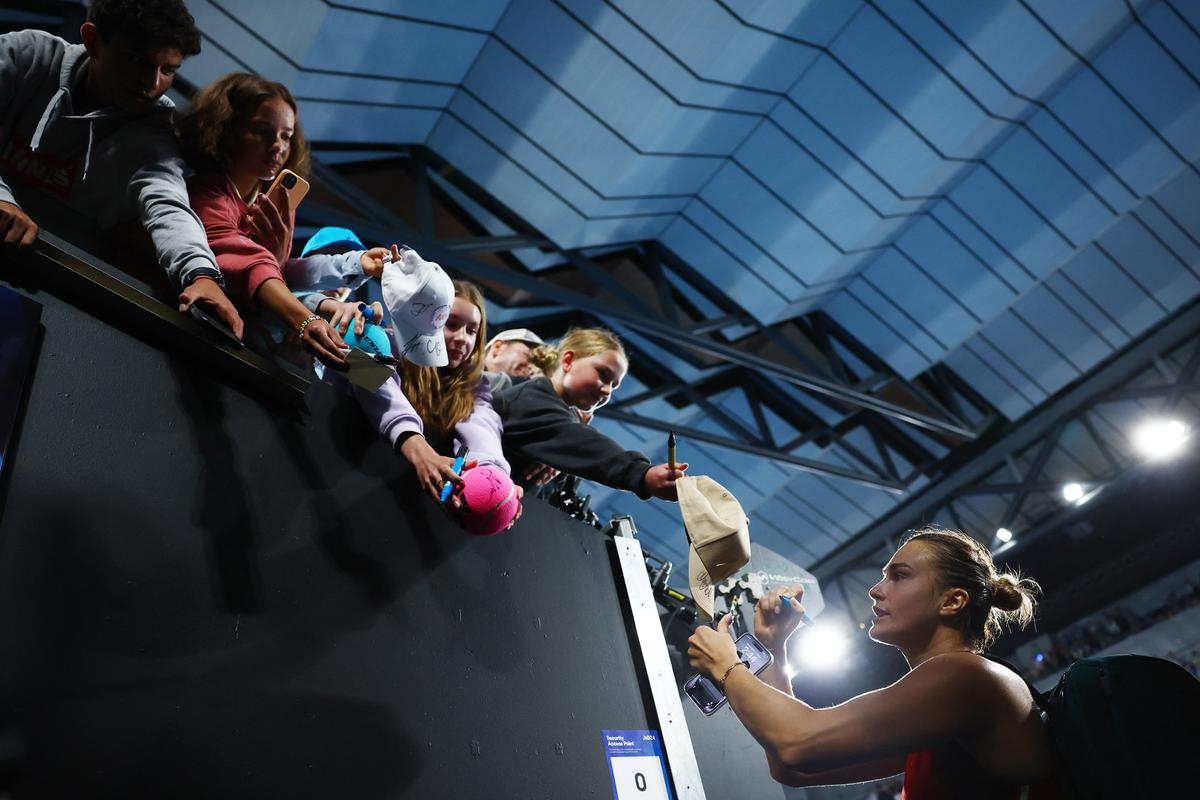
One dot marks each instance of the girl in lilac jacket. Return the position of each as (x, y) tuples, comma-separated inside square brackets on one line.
[(439, 398)]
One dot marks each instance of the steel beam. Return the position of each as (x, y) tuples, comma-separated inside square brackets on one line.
[(494, 244), (1016, 437), (1173, 392), (804, 464), (1035, 470)]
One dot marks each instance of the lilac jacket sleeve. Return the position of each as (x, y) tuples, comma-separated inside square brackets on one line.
[(324, 271), (481, 431), (389, 410)]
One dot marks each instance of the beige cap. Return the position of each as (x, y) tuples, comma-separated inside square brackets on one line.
[(517, 335), (718, 532)]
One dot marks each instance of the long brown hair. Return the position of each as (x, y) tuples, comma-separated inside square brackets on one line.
[(208, 131), (996, 600), (445, 397)]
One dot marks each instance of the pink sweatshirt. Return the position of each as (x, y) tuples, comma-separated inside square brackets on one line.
[(244, 262)]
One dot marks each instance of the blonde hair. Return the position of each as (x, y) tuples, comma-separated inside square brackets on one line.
[(584, 342), (996, 601), (445, 397)]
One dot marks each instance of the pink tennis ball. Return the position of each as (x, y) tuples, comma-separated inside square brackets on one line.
[(489, 501)]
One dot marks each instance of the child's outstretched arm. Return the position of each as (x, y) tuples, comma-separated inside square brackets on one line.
[(540, 428), (391, 413), (481, 432), (660, 481)]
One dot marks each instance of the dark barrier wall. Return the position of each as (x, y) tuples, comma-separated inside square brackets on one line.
[(203, 595)]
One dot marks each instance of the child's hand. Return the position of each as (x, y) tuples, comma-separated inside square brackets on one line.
[(325, 343), (372, 260), (270, 223), (539, 474), (660, 480), (520, 507), (433, 470), (341, 315)]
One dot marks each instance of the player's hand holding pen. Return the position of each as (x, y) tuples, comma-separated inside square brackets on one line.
[(778, 615)]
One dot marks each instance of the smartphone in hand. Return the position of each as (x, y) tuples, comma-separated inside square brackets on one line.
[(705, 692), (291, 183)]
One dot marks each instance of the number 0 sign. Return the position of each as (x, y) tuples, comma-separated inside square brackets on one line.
[(636, 764)]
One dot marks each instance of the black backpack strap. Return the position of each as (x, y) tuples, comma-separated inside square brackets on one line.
[(1041, 700)]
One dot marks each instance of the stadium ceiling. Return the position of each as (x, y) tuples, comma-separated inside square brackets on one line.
[(864, 253)]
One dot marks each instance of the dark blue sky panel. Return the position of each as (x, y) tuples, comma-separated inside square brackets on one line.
[(1009, 366), (796, 243), (801, 128), (382, 45), (1159, 271), (1083, 27), (803, 182), (917, 88), (478, 14), (620, 32), (717, 47), (909, 287), (1114, 132), (1099, 176), (1050, 187), (863, 124), (509, 143), (387, 91), (809, 20), (1023, 55), (1029, 341), (939, 44), (1122, 296), (627, 98), (971, 281), (1106, 326), (1161, 89), (1013, 222), (982, 245), (988, 381), (869, 329)]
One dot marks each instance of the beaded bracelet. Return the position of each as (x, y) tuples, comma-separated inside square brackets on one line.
[(731, 668), (304, 324)]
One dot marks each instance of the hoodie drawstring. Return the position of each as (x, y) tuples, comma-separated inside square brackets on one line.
[(46, 117)]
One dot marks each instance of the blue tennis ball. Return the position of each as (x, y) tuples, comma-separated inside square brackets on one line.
[(373, 339)]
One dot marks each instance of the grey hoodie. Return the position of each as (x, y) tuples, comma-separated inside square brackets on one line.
[(109, 165)]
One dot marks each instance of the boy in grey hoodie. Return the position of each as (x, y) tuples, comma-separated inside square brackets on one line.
[(89, 126)]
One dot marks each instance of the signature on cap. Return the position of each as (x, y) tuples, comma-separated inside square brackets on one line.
[(432, 345)]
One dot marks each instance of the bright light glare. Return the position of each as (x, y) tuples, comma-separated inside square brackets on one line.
[(1072, 492), (823, 647), (1004, 535), (1160, 439)]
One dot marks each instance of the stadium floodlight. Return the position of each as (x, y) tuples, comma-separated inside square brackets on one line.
[(1004, 535), (1160, 439), (1073, 492), (823, 646)]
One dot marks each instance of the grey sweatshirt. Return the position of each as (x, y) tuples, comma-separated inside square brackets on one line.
[(109, 165)]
